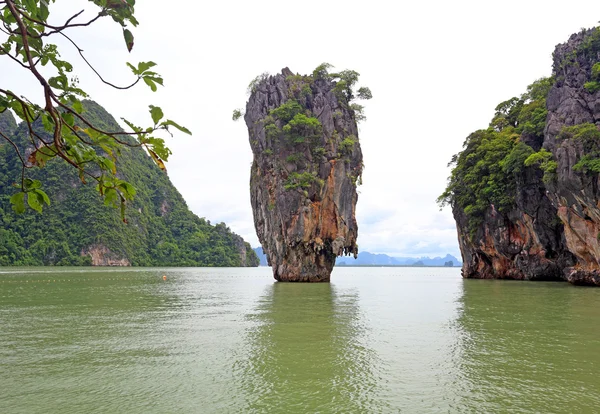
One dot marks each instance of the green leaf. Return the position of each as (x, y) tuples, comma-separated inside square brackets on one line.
[(31, 6), (133, 69), (128, 189), (18, 202), (144, 66), (151, 84), (111, 197), (109, 165), (48, 123), (68, 118), (168, 123), (78, 106), (130, 125), (156, 113), (42, 196), (34, 202), (128, 39), (30, 184), (43, 12), (123, 211)]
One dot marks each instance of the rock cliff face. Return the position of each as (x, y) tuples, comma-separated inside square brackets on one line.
[(307, 161), (101, 256), (575, 101), (550, 230)]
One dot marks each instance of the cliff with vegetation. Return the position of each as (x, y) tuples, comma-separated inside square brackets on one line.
[(307, 164), (78, 229), (525, 191)]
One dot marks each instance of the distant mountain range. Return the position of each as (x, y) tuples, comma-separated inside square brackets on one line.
[(371, 259)]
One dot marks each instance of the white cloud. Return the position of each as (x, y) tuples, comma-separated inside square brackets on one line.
[(437, 69)]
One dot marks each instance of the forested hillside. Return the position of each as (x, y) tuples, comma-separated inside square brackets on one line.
[(78, 229)]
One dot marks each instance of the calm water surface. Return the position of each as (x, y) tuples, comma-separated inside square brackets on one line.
[(77, 340)]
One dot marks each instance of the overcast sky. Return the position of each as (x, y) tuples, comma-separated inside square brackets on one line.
[(436, 69)]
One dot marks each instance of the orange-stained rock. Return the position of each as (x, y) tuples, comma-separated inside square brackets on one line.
[(102, 256), (303, 224)]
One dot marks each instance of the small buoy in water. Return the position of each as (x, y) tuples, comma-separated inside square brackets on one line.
[(164, 277)]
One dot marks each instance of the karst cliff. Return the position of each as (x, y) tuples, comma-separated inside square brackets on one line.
[(307, 163), (525, 192)]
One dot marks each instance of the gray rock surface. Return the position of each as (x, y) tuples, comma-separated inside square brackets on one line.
[(553, 231), (303, 180)]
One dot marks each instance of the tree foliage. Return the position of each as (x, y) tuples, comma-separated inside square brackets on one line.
[(26, 36), (487, 171), (588, 136), (162, 231)]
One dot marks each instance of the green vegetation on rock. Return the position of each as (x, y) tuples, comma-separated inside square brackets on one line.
[(589, 137), (160, 229), (487, 172), (543, 159)]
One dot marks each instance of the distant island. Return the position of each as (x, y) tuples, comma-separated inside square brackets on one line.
[(372, 259)]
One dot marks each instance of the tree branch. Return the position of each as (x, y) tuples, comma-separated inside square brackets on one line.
[(67, 25), (10, 141), (80, 51)]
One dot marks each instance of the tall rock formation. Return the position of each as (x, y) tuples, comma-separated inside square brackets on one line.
[(572, 136), (307, 162), (525, 193)]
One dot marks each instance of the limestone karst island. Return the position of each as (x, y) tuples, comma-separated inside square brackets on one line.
[(525, 191), (307, 162)]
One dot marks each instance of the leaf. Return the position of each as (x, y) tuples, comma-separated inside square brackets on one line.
[(78, 106), (34, 202), (156, 113), (144, 66), (43, 12), (133, 69), (43, 195), (158, 146), (130, 125), (128, 189), (168, 122), (18, 202), (68, 118), (111, 197), (31, 6), (128, 39), (151, 84), (109, 165), (123, 211), (48, 123), (157, 160)]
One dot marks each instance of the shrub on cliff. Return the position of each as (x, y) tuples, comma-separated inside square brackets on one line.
[(487, 171)]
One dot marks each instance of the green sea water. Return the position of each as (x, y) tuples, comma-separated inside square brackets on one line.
[(375, 340)]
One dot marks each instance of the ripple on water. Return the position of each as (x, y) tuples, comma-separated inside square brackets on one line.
[(230, 340)]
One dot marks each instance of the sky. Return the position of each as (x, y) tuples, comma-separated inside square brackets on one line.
[(437, 69)]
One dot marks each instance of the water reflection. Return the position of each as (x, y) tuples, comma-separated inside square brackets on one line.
[(529, 347), (307, 353)]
